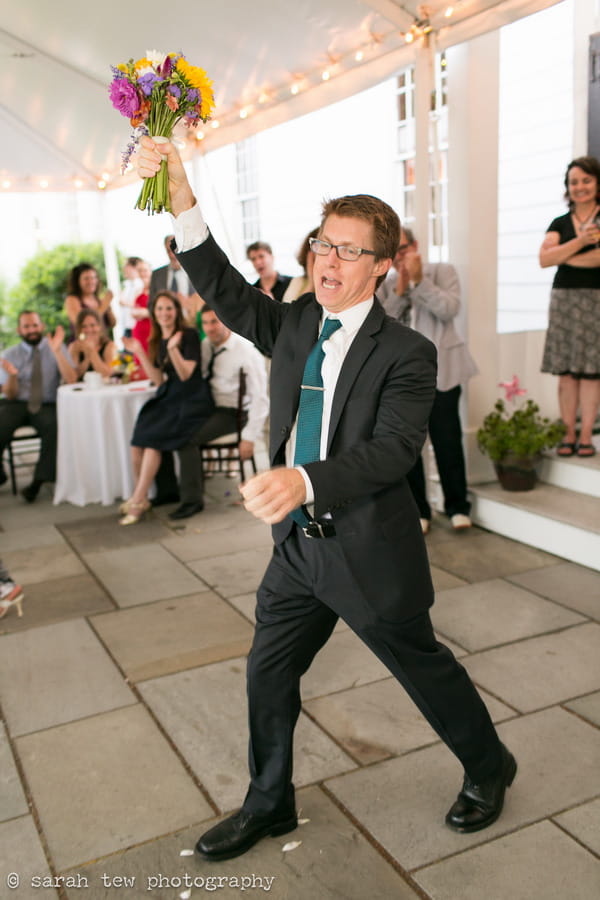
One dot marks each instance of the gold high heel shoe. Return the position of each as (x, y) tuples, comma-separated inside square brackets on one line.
[(135, 512), (124, 507), (14, 598)]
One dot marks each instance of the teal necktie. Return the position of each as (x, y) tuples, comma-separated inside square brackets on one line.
[(310, 409)]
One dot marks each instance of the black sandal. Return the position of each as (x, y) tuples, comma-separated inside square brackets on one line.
[(586, 447), (566, 445)]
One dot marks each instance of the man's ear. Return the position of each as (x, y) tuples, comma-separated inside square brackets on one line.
[(382, 267)]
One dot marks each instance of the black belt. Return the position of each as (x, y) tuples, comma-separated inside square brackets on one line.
[(319, 530)]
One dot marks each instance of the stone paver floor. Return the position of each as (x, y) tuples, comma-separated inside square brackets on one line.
[(123, 732)]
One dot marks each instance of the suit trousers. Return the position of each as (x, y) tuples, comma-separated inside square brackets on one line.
[(306, 587), (191, 477), (445, 433), (14, 414)]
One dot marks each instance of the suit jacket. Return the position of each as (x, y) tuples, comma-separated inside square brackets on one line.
[(436, 303), (158, 282), (377, 428)]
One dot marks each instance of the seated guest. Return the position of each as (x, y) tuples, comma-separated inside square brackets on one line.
[(30, 373), (223, 355), (269, 280), (83, 292), (181, 404), (92, 351)]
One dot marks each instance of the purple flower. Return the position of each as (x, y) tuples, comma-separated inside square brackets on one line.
[(175, 90), (147, 82), (193, 95), (124, 97)]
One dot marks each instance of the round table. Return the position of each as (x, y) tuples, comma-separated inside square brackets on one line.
[(93, 461)]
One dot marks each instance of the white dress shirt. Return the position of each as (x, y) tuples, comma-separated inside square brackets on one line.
[(232, 355)]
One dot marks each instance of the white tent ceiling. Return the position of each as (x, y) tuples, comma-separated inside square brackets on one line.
[(56, 119)]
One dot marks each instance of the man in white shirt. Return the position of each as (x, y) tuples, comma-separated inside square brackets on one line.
[(351, 392), (223, 355), (30, 373)]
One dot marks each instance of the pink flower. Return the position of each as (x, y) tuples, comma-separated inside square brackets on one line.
[(171, 102), (124, 97), (512, 388)]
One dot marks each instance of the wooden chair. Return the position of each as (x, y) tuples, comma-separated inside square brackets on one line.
[(25, 441), (220, 453)]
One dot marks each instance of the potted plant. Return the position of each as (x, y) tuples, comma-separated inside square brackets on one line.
[(514, 439)]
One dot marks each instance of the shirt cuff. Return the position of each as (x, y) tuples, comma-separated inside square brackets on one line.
[(189, 229), (310, 493)]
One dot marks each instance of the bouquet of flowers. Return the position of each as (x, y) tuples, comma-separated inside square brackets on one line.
[(124, 366), (155, 93)]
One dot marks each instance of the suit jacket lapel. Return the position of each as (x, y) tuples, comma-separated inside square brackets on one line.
[(361, 348), (286, 396)]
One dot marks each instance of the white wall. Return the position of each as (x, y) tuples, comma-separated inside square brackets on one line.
[(535, 146)]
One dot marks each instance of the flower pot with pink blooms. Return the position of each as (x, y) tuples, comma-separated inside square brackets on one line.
[(514, 439)]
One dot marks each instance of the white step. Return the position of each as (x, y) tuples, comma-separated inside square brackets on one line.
[(559, 520), (573, 473)]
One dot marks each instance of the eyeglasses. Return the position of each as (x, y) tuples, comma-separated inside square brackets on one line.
[(347, 252)]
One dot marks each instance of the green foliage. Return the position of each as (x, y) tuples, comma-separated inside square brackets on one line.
[(43, 286), (523, 434)]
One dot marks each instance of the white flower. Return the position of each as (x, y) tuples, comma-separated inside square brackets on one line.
[(155, 57)]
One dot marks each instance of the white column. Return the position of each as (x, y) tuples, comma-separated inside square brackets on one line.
[(473, 77), (424, 84)]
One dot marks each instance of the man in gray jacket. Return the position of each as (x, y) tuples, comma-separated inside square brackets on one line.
[(427, 298)]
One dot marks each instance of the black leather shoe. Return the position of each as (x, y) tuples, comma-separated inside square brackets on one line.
[(478, 805), (235, 835), (31, 491), (163, 499), (185, 510)]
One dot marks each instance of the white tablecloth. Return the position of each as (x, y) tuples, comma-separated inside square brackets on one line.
[(93, 463)]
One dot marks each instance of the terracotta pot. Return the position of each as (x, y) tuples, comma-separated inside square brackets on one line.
[(517, 473)]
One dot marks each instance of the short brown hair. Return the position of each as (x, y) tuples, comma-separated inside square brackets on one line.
[(381, 216), (258, 245)]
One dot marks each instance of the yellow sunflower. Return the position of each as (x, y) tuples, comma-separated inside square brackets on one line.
[(197, 78)]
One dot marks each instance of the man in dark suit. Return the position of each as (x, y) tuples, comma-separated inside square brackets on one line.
[(348, 420), (170, 277)]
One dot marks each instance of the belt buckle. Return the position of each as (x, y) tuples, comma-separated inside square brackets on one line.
[(311, 528)]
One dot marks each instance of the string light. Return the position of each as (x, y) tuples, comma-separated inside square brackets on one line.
[(449, 11), (371, 43)]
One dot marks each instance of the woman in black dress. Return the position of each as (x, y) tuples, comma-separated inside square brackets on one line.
[(181, 404), (572, 349)]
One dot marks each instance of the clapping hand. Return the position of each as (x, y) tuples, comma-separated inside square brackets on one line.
[(174, 341), (56, 340), (132, 345), (8, 367)]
